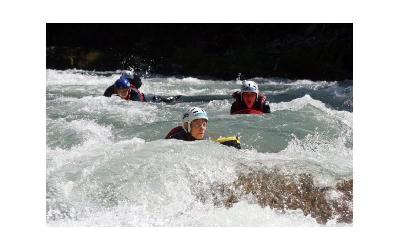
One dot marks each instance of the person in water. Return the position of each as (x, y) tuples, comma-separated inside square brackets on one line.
[(194, 126), (249, 98), (127, 87)]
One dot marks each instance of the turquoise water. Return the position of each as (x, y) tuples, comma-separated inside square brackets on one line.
[(108, 164)]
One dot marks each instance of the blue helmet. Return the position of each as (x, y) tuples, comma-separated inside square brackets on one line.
[(133, 79), (122, 83)]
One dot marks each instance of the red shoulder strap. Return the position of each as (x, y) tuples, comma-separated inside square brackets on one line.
[(140, 94)]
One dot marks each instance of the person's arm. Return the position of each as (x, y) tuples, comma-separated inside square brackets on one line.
[(233, 107), (109, 91), (158, 98), (170, 99), (266, 107)]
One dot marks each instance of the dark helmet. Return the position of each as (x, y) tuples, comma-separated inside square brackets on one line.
[(136, 81), (133, 79), (122, 83)]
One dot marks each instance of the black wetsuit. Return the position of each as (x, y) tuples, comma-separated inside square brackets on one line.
[(180, 133), (133, 95)]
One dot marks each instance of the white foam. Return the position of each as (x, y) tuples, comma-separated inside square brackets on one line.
[(198, 215), (107, 178), (300, 103), (115, 108), (160, 179), (77, 78), (219, 105)]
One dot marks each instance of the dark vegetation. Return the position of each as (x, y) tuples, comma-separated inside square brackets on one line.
[(219, 51)]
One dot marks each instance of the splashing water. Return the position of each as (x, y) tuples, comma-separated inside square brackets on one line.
[(108, 164)]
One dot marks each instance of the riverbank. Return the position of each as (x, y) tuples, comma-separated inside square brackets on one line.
[(211, 51)]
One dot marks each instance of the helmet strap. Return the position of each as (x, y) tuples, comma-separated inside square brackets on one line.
[(188, 127)]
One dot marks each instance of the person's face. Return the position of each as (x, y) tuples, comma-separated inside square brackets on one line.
[(249, 98), (199, 127), (123, 93)]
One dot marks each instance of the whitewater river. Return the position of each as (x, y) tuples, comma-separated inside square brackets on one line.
[(108, 164)]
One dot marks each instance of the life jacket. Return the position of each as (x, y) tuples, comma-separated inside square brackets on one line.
[(174, 131), (248, 111), (239, 105), (139, 94), (179, 133)]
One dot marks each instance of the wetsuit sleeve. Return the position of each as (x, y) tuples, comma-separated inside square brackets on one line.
[(179, 135), (266, 107), (233, 107), (170, 99), (173, 131), (152, 98), (157, 98), (109, 91)]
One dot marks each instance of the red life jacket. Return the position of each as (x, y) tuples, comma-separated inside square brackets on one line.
[(140, 94), (248, 111)]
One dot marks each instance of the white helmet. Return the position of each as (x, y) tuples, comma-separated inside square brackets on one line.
[(249, 86), (191, 114), (127, 74)]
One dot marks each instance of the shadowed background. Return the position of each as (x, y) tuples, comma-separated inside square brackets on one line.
[(216, 51)]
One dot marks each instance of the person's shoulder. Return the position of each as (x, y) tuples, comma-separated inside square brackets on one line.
[(175, 133), (236, 94), (235, 103), (109, 91), (235, 106), (180, 134), (263, 97)]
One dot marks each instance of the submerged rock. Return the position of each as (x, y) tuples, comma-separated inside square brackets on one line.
[(289, 192)]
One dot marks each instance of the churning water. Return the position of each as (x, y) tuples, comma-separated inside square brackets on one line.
[(108, 164)]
